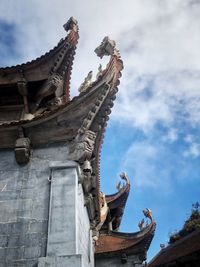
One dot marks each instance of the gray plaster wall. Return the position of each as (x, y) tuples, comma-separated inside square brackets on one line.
[(115, 261), (85, 244), (25, 197)]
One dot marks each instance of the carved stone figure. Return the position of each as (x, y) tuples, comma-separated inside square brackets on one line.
[(87, 82), (88, 180), (89, 203), (53, 85), (71, 24), (82, 147), (106, 48)]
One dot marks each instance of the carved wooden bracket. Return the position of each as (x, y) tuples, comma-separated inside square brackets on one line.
[(22, 150), (52, 86)]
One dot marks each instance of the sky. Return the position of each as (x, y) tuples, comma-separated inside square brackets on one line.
[(154, 129)]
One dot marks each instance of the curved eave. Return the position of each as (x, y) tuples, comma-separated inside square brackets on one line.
[(47, 115), (115, 243), (119, 198), (44, 63), (184, 247), (35, 63), (116, 203), (99, 97), (113, 74)]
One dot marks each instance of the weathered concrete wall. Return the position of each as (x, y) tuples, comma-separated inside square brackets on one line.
[(115, 261), (25, 194), (85, 244)]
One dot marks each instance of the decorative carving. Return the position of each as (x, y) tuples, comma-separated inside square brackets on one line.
[(88, 183), (100, 72), (141, 225), (87, 82), (22, 150), (82, 147), (124, 177), (71, 24), (94, 110), (87, 166), (88, 179), (103, 210), (148, 214), (22, 88), (89, 203), (106, 48), (53, 85)]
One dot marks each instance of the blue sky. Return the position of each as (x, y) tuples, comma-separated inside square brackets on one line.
[(154, 129)]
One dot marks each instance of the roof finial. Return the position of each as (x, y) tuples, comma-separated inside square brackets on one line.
[(71, 24), (148, 213), (124, 176), (106, 48)]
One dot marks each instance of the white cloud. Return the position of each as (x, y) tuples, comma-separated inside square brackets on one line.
[(171, 136), (158, 40), (141, 161), (193, 150), (155, 165), (189, 138)]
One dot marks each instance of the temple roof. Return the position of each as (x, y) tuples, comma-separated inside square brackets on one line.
[(59, 60), (184, 248), (30, 89), (116, 202), (45, 114), (36, 110), (114, 242)]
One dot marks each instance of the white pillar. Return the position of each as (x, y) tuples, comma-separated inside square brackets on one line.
[(62, 243)]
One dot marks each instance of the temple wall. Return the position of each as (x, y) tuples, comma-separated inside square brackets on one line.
[(40, 203), (115, 261), (85, 244)]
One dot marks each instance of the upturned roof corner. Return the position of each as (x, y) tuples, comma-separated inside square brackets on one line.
[(36, 110)]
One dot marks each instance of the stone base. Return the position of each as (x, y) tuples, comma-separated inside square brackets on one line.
[(62, 261)]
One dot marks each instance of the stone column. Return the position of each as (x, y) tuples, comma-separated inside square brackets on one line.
[(62, 244)]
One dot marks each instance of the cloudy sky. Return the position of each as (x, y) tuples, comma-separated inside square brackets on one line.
[(154, 130)]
